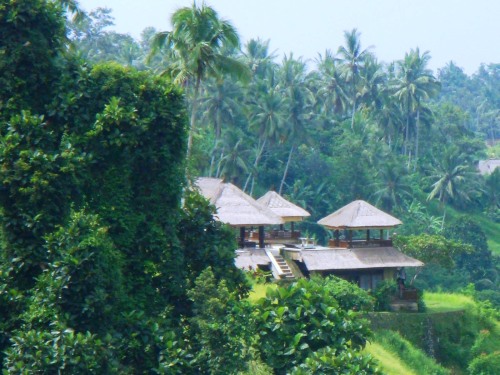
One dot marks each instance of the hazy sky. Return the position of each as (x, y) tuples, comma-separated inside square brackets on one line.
[(464, 31)]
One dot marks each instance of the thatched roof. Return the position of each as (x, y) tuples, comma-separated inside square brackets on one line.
[(359, 215), (209, 187), (234, 207), (247, 260), (352, 259), (280, 206)]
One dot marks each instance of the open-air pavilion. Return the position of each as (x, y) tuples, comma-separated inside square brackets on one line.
[(289, 212), (237, 209), (366, 261), (356, 216)]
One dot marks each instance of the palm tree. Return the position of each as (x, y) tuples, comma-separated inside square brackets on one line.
[(196, 50), (450, 176), (373, 82), (352, 59), (390, 118), (267, 120), (414, 83), (233, 164), (292, 80), (391, 187), (221, 105), (331, 85), (73, 7), (258, 58)]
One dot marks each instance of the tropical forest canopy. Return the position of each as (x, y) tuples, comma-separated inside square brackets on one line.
[(110, 263)]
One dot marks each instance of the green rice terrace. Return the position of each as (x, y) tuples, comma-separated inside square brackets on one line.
[(455, 335)]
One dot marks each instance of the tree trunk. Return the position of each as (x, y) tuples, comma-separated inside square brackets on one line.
[(252, 186), (192, 125), (416, 139), (407, 131), (212, 161), (218, 164), (255, 164), (353, 113), (419, 269), (444, 217), (286, 170), (218, 132), (444, 214)]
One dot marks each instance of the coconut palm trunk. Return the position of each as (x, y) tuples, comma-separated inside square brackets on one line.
[(407, 130), (286, 169), (255, 164), (194, 108), (417, 124), (353, 113)]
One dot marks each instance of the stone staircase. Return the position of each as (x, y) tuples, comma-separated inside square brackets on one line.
[(287, 272)]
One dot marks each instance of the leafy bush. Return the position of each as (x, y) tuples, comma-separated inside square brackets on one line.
[(328, 361), (485, 364), (295, 321), (86, 279), (348, 295), (485, 343), (383, 294), (221, 328), (57, 351)]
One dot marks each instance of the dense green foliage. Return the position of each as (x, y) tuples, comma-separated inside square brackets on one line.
[(456, 336), (348, 295), (93, 264), (297, 321), (328, 361), (109, 263)]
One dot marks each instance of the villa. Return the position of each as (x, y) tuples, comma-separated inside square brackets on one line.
[(360, 250)]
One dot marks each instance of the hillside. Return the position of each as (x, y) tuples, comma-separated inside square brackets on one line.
[(457, 331)]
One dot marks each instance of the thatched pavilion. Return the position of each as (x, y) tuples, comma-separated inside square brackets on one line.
[(359, 215), (289, 212), (365, 261), (236, 208)]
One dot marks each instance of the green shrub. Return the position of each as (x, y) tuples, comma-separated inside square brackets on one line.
[(295, 321), (485, 364), (57, 351), (485, 343), (383, 294), (327, 361), (422, 307), (348, 295)]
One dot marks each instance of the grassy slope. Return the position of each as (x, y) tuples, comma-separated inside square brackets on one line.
[(259, 291), (391, 359), (389, 362), (443, 302), (408, 356), (490, 228), (492, 231)]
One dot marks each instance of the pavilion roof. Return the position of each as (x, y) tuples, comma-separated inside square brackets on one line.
[(360, 258), (359, 215), (282, 207), (234, 207), (248, 260)]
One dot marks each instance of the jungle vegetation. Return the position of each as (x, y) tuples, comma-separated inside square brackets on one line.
[(111, 263)]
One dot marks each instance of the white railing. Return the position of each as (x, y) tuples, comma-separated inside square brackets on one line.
[(275, 266)]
